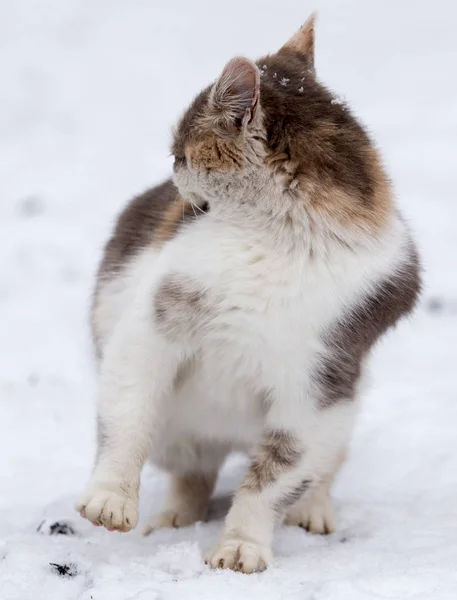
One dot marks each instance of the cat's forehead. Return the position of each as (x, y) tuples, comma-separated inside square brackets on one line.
[(187, 128)]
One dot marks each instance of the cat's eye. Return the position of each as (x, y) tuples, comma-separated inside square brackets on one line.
[(180, 161)]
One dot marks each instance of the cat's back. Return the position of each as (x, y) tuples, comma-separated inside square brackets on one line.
[(142, 219)]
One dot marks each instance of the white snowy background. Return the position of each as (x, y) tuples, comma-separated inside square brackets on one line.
[(88, 94)]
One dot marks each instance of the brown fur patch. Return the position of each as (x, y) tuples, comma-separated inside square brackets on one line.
[(201, 139), (307, 126), (155, 215), (210, 131), (335, 204), (177, 214), (180, 306), (349, 340), (214, 153), (278, 452), (188, 128), (303, 42), (318, 147)]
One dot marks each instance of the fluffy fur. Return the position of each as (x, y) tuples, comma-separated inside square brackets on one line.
[(236, 307)]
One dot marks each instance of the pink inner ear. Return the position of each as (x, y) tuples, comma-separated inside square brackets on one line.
[(237, 89)]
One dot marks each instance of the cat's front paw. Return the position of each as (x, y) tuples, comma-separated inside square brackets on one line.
[(112, 508), (239, 555)]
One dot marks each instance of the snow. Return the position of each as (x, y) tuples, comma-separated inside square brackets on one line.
[(89, 93)]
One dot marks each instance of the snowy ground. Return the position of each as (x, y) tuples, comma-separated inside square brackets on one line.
[(88, 94)]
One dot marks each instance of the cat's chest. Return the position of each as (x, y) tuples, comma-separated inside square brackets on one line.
[(249, 288), (236, 262)]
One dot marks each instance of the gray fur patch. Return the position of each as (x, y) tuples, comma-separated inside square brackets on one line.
[(180, 306), (102, 438), (292, 496), (278, 452), (351, 338)]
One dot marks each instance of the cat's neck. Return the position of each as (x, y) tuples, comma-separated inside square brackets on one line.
[(287, 227)]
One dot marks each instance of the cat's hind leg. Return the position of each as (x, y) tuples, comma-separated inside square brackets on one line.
[(314, 510), (190, 487), (186, 501)]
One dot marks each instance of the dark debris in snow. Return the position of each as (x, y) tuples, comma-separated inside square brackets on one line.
[(69, 570), (56, 528)]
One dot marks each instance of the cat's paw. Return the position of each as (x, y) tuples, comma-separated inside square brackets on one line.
[(313, 513), (173, 518), (239, 555), (112, 508)]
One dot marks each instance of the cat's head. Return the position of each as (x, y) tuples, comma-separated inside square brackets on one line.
[(219, 144), (271, 129)]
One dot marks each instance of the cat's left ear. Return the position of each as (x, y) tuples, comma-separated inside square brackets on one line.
[(302, 43), (235, 94)]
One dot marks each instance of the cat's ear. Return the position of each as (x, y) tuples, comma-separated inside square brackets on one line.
[(302, 42), (235, 94)]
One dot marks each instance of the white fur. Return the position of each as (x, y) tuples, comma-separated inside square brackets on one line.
[(271, 298)]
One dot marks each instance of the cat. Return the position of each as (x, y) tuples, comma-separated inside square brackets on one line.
[(236, 306)]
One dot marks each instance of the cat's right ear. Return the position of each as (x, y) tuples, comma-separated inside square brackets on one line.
[(302, 43), (235, 95)]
